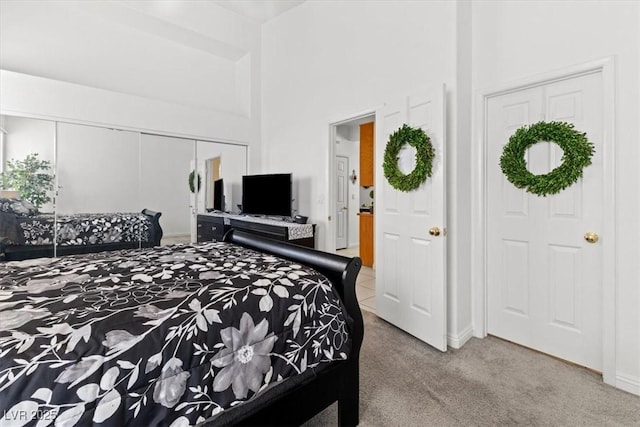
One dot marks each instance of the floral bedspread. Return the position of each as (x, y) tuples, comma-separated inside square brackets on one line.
[(83, 229), (163, 336)]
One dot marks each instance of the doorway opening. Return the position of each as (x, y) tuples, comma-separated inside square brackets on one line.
[(351, 181), (352, 197)]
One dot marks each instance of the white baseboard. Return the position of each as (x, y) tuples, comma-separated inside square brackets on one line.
[(458, 340), (627, 383)]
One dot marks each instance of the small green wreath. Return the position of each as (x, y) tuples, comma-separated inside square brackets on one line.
[(577, 155), (419, 140), (192, 179)]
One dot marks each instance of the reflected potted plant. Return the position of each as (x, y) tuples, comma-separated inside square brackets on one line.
[(31, 177)]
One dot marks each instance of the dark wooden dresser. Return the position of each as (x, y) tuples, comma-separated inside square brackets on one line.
[(213, 227)]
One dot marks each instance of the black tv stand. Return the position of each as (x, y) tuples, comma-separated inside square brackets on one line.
[(213, 226)]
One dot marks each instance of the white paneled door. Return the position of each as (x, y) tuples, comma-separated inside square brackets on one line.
[(544, 277), (410, 226), (342, 201)]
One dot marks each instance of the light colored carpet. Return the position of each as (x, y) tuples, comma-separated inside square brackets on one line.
[(176, 238), (488, 382)]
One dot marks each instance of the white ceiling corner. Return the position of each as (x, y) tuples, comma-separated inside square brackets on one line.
[(259, 10)]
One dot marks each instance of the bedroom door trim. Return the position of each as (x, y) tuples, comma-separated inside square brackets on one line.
[(330, 239), (606, 67)]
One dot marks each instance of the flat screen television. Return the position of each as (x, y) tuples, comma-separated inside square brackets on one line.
[(218, 195), (267, 194)]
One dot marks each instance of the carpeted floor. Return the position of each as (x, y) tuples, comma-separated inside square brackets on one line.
[(404, 382)]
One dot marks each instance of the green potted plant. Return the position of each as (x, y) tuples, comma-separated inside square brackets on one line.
[(30, 177)]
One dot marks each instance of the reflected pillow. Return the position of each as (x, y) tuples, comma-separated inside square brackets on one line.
[(18, 207)]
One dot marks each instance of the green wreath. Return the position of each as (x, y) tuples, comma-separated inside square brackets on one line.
[(577, 155), (192, 179), (419, 140)]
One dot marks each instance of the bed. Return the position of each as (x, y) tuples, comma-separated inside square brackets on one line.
[(248, 331), (26, 233)]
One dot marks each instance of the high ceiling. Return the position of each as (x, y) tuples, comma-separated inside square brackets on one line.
[(259, 10), (199, 54)]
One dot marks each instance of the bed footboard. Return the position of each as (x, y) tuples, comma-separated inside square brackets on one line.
[(3, 241), (156, 234), (340, 382)]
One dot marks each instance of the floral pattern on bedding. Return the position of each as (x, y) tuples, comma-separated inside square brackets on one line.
[(18, 207), (164, 336), (83, 229)]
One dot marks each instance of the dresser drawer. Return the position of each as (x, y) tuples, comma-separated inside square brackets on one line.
[(210, 228), (266, 230)]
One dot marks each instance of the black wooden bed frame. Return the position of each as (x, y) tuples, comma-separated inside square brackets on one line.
[(10, 252), (295, 402)]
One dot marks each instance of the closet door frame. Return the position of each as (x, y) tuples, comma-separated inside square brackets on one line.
[(58, 120)]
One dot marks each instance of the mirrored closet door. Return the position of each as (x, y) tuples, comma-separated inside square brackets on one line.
[(98, 170), (221, 167), (72, 188), (165, 165), (27, 167), (98, 184)]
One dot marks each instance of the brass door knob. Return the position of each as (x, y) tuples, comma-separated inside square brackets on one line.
[(591, 237), (434, 231)]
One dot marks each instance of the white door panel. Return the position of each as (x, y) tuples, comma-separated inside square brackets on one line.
[(388, 256), (544, 279), (342, 201), (410, 263)]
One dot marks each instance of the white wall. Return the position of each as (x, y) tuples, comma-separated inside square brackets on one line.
[(323, 62), (35, 96), (328, 61), (459, 295), (139, 55), (187, 69), (179, 68), (319, 67), (514, 40)]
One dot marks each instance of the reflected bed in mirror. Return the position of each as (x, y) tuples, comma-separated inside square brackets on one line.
[(25, 233)]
